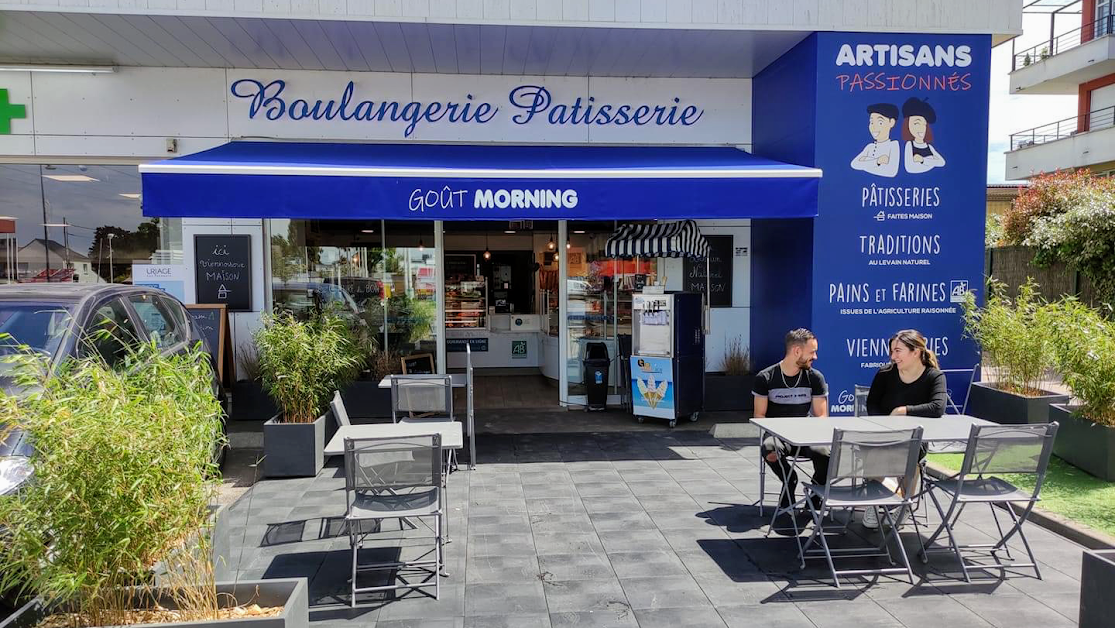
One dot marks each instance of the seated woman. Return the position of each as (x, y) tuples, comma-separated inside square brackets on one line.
[(911, 385)]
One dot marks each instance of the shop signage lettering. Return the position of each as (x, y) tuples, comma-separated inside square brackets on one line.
[(530, 104), (422, 199), (902, 127)]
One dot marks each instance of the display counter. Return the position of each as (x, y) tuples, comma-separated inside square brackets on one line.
[(511, 341)]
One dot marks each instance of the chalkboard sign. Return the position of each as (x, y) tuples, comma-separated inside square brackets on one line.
[(223, 270), (719, 264), (211, 322), (418, 364)]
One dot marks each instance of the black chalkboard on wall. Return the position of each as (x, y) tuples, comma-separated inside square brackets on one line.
[(223, 270), (211, 322), (719, 265)]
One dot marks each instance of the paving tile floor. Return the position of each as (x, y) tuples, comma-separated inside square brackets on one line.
[(625, 529)]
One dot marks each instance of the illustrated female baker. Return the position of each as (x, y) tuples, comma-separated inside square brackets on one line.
[(920, 156)]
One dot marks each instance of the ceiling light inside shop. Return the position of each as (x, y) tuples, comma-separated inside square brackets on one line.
[(131, 195), (70, 178), (578, 231), (509, 231), (367, 231)]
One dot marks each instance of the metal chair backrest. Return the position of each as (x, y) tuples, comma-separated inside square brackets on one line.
[(397, 464), (859, 456), (337, 405), (951, 403), (861, 393), (998, 449), (421, 397)]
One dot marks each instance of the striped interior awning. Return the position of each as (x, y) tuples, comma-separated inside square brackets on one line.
[(660, 239)]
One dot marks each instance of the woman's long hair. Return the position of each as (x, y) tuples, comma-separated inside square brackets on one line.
[(913, 339)]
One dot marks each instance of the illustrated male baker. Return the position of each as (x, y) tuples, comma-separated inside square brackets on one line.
[(881, 156)]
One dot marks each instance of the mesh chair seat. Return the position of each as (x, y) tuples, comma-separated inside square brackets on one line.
[(870, 493), (415, 504), (984, 490)]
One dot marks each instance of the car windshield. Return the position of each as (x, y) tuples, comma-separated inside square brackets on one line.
[(39, 326)]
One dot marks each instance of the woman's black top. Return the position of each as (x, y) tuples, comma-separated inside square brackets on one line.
[(925, 396)]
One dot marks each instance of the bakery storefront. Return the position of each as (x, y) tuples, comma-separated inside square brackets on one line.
[(838, 183)]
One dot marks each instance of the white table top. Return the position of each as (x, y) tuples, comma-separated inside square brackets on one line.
[(458, 380), (813, 432), (451, 433)]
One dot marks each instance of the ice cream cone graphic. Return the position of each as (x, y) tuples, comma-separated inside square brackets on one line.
[(653, 393)]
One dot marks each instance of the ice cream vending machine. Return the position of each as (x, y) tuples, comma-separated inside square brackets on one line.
[(667, 356)]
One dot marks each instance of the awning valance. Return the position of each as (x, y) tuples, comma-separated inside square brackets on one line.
[(661, 239), (476, 182)]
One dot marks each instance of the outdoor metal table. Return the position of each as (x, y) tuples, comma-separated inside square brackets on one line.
[(801, 432), (458, 380), (451, 434)]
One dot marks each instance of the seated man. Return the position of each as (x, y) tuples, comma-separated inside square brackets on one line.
[(793, 388)]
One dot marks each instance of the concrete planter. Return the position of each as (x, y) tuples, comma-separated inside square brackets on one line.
[(364, 399), (728, 392), (1005, 408), (1084, 444), (295, 450), (1097, 581), (291, 594), (251, 403)]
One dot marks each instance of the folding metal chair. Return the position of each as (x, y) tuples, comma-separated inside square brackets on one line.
[(858, 463), (951, 403), (993, 449), (424, 399), (394, 478), (861, 393), (337, 405)]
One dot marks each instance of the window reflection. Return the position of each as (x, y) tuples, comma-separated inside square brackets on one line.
[(388, 292), (81, 224)]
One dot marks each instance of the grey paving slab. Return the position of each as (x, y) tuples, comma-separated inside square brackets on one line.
[(444, 622), (585, 595), (671, 617), (508, 621), (505, 598), (633, 541), (664, 592), (576, 567), (623, 618), (658, 564), (492, 569), (773, 615), (568, 543)]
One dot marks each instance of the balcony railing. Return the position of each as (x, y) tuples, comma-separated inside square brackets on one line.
[(1059, 130), (1065, 41)]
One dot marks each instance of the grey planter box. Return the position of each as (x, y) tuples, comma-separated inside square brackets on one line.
[(364, 399), (1097, 582), (251, 403), (295, 450), (1084, 444), (728, 392), (290, 593), (1004, 408)]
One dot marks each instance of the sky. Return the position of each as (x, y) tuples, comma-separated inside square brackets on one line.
[(1011, 114)]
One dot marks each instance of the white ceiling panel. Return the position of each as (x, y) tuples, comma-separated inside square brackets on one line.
[(381, 46)]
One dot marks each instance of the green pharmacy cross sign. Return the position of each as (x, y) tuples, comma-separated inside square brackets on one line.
[(9, 112)]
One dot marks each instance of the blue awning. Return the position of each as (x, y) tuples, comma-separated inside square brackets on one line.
[(476, 182)]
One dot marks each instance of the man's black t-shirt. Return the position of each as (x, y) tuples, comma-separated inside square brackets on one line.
[(789, 396)]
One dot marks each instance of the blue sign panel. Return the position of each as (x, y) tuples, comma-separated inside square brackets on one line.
[(457, 345), (899, 237)]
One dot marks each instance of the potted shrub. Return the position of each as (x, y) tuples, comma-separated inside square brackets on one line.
[(1085, 353), (249, 401), (1097, 581), (124, 479), (302, 363), (1015, 342), (729, 388), (363, 397)]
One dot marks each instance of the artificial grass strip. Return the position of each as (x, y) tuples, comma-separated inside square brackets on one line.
[(1067, 491)]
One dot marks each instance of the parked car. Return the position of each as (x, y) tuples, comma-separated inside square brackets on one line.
[(62, 321)]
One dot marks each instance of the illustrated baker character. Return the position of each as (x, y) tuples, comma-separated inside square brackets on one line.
[(880, 157), (916, 131)]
